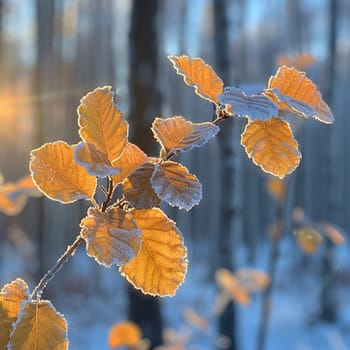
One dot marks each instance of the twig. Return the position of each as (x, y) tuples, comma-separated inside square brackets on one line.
[(38, 290), (109, 194)]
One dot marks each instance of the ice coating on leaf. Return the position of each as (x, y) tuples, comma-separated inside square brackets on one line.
[(11, 297), (138, 190), (294, 91), (173, 183), (178, 134), (200, 75), (271, 145), (112, 237), (161, 265), (39, 327), (101, 123), (58, 175), (255, 106), (95, 162)]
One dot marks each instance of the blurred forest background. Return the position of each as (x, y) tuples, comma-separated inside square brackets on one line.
[(52, 52)]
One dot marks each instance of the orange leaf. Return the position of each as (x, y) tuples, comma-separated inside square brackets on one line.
[(39, 327), (112, 237), (333, 233), (301, 61), (308, 239), (178, 134), (124, 334), (276, 187), (58, 176), (193, 318), (11, 200), (101, 123), (271, 145), (131, 158), (138, 190), (229, 283), (160, 267), (173, 183), (25, 185), (293, 91), (200, 75), (11, 297), (95, 162), (253, 280)]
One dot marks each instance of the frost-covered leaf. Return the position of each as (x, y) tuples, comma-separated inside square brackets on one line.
[(178, 134), (11, 297), (229, 283), (308, 239), (58, 176), (95, 162), (131, 158), (200, 75), (173, 183), (101, 123), (254, 106), (292, 90), (39, 327), (253, 280), (160, 267), (124, 334), (271, 145), (138, 190), (112, 237)]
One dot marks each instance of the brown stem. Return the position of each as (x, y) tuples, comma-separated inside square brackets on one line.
[(109, 194), (38, 290)]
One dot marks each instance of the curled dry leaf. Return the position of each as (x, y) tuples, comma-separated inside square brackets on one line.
[(58, 176), (161, 265), (138, 190), (112, 237), (308, 239), (298, 94), (124, 334), (173, 183), (271, 145), (200, 75), (177, 134), (101, 123), (94, 161), (131, 158), (254, 107), (39, 327), (11, 297)]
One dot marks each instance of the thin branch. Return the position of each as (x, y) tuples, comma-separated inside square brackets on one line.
[(38, 290), (109, 194)]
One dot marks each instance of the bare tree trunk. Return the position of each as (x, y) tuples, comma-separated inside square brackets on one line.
[(328, 311), (228, 172), (145, 104)]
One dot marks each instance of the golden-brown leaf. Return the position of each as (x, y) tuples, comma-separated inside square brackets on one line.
[(173, 183), (58, 176), (39, 327), (178, 134), (276, 187), (131, 158), (124, 334), (229, 283), (101, 123), (271, 145), (160, 267), (300, 61), (308, 239), (333, 233), (93, 160), (112, 237), (26, 186), (200, 75), (11, 297), (293, 91), (138, 190), (253, 280)]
